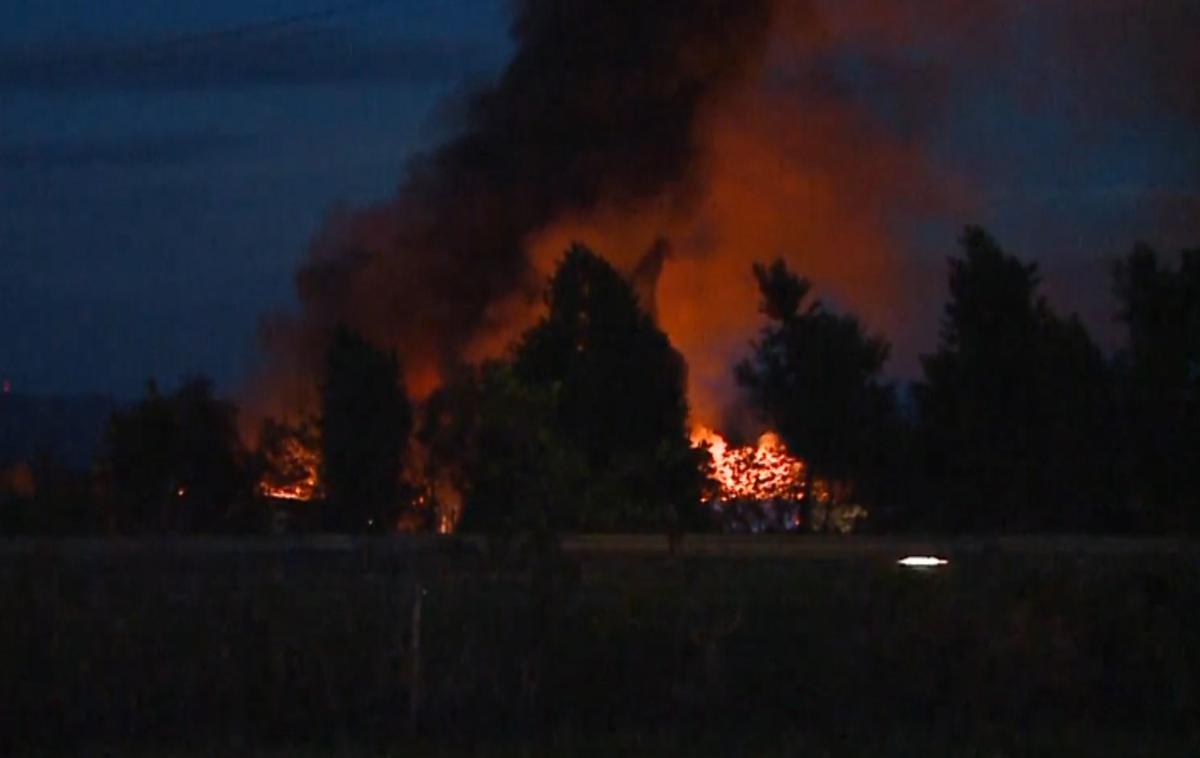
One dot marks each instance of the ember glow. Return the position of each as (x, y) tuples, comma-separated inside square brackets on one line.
[(763, 471), (447, 510), (293, 465), (293, 472)]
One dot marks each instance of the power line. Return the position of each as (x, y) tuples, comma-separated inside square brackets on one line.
[(192, 40), (266, 26)]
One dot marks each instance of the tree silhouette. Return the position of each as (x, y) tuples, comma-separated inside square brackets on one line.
[(516, 471), (448, 434), (814, 376), (1015, 405), (175, 462), (618, 391), (366, 419), (1161, 373)]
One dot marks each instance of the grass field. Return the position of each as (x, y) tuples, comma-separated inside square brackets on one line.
[(728, 646)]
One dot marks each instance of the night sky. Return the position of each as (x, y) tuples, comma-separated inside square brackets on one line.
[(163, 165), (149, 213)]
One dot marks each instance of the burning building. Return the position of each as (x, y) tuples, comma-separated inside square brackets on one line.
[(629, 126), (763, 487), (712, 132)]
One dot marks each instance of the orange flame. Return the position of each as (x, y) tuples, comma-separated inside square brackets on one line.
[(763, 471), (293, 473)]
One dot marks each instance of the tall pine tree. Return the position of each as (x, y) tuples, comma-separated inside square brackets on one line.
[(365, 423)]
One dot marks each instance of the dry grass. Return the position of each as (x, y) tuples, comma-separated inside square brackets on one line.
[(998, 655)]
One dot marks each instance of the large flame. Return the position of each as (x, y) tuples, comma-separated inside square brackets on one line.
[(763, 471), (767, 476)]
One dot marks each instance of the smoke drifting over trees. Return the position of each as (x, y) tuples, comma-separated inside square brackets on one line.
[(597, 107), (736, 131)]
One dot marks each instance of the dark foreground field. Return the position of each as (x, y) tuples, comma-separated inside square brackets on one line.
[(728, 646)]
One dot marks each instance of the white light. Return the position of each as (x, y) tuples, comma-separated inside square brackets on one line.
[(922, 561)]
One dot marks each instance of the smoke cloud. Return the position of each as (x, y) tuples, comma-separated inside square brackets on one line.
[(715, 133), (597, 108)]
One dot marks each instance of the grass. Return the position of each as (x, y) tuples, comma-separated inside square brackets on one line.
[(1077, 741), (996, 655)]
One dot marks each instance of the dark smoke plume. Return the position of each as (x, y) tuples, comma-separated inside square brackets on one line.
[(832, 133), (597, 107)]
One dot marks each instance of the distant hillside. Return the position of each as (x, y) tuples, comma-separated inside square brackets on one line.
[(69, 428)]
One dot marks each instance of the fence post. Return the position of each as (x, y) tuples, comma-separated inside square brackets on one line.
[(414, 693)]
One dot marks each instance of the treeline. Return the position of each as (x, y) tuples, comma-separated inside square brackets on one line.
[(1024, 424), (1019, 423), (582, 427)]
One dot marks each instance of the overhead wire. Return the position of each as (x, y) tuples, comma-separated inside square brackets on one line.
[(192, 40), (268, 25)]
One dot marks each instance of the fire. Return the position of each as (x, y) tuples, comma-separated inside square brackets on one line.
[(762, 487), (293, 472), (433, 507), (764, 477), (761, 472), (448, 506), (292, 456)]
